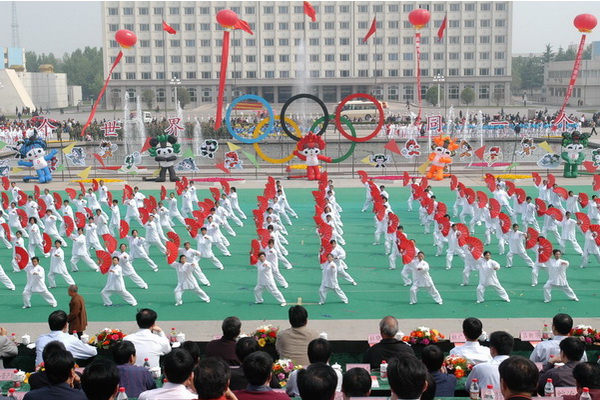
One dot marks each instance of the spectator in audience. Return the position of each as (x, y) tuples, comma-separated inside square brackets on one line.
[(100, 380), (356, 383), (317, 382), (501, 345), (472, 350), (433, 358), (225, 346), (407, 377), (257, 369), (293, 342), (571, 351), (586, 374), (211, 379), (77, 313), (40, 379), (319, 351), (150, 341), (57, 321), (429, 393), (193, 349), (134, 379), (7, 347), (178, 367), (561, 328), (518, 378), (243, 348), (389, 346), (60, 370)]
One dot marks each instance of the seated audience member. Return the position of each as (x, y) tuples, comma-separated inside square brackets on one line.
[(257, 369), (211, 379), (433, 358), (356, 382), (319, 351), (293, 342), (407, 377), (134, 379), (389, 346), (518, 378), (7, 347), (587, 374), (243, 348), (501, 345), (40, 379), (571, 351), (561, 328), (100, 380), (60, 370), (317, 382), (150, 341), (429, 393), (225, 346), (193, 349), (57, 321), (178, 368), (472, 350)]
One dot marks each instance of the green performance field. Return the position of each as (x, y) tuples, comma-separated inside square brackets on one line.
[(379, 290)]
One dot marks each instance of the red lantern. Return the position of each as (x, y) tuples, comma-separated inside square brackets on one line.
[(125, 38), (585, 22), (419, 17), (227, 18)]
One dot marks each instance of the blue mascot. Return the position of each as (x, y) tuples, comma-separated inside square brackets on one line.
[(33, 154)]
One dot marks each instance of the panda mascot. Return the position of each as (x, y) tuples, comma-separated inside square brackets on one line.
[(164, 150)]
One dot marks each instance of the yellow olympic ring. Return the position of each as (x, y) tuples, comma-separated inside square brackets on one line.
[(259, 150)]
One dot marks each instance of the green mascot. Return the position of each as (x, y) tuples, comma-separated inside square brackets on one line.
[(573, 145)]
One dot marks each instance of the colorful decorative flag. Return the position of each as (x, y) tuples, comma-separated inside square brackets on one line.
[(85, 173), (367, 160), (372, 29), (479, 152), (544, 145), (2, 144), (423, 168), (188, 153), (233, 147), (168, 28), (251, 157), (222, 167), (146, 145), (440, 33), (243, 25), (310, 11), (392, 146), (69, 148), (99, 159)]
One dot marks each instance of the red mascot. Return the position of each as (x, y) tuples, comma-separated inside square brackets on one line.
[(309, 149)]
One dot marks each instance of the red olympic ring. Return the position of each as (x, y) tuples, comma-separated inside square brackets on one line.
[(338, 122)]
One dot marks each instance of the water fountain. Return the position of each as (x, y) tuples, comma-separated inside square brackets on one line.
[(197, 139)]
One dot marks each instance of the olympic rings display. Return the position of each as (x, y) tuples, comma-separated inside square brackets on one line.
[(259, 150), (340, 107), (352, 130), (304, 96), (271, 119)]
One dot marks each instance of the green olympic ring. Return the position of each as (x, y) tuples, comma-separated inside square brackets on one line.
[(352, 130)]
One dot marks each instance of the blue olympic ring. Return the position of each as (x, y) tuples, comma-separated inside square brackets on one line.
[(267, 131)]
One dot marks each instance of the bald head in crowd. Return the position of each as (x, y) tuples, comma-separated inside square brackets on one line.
[(388, 327)]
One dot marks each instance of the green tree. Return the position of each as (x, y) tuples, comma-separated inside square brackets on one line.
[(183, 96), (548, 54), (587, 53), (467, 96), (84, 68), (432, 95), (560, 54), (148, 97)]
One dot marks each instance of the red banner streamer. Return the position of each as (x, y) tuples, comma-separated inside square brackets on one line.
[(222, 77), (418, 48), (574, 74), (93, 112)]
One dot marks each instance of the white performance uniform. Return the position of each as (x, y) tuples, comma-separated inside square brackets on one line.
[(568, 234), (572, 204), (17, 242), (165, 219), (49, 200), (589, 248), (504, 200), (91, 235), (226, 204), (516, 246), (187, 204), (174, 211), (550, 225), (128, 269), (15, 223), (470, 265), (36, 284), (187, 281), (114, 224), (422, 279), (235, 205), (557, 279), (67, 211), (369, 199), (51, 229), (115, 284), (153, 236), (339, 255), (453, 248), (92, 202), (132, 212), (5, 280), (329, 281), (272, 258), (101, 222), (103, 195), (489, 278), (212, 230), (529, 216), (204, 246), (35, 240), (193, 257), (137, 248), (58, 267), (81, 252), (265, 281)]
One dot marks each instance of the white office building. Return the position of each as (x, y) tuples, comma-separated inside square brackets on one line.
[(286, 47)]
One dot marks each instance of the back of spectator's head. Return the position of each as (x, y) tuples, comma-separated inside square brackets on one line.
[(298, 316), (51, 347), (429, 393), (407, 377), (246, 346), (123, 352), (587, 374), (231, 327), (562, 323), (57, 320), (211, 378), (193, 349), (317, 382), (179, 365), (502, 342), (146, 318), (100, 379), (433, 357), (257, 367), (319, 350), (572, 348), (518, 375), (388, 327), (59, 366), (356, 383), (472, 328)]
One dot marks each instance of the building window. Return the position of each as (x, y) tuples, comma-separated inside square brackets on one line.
[(378, 72), (127, 10), (145, 60), (190, 75), (484, 39), (175, 43), (469, 72), (190, 59), (128, 26), (190, 27), (499, 92), (269, 74), (407, 40), (499, 55), (378, 8), (269, 58), (438, 56), (484, 71), (363, 73), (454, 39), (206, 94), (284, 26), (455, 7), (313, 41), (469, 55), (363, 57), (393, 56), (484, 55), (393, 25), (439, 7), (484, 92), (454, 23), (158, 10), (470, 7), (299, 26), (284, 42), (345, 25), (329, 57), (407, 56), (250, 58), (469, 39), (344, 73), (469, 23), (113, 11), (188, 10), (344, 57), (344, 41), (393, 8), (144, 43), (377, 57), (499, 39), (500, 23), (286, 57), (236, 74), (408, 92), (500, 6), (407, 8), (269, 42), (453, 72), (174, 10), (453, 92), (453, 56), (329, 9), (485, 23), (344, 9), (175, 59), (284, 74), (190, 42), (499, 71), (249, 10), (113, 43), (251, 74), (144, 27), (407, 72), (393, 40), (159, 59), (485, 6), (393, 93), (116, 75), (392, 73), (206, 59), (113, 27)]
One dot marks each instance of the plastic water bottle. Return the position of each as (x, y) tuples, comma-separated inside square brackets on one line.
[(489, 393), (16, 380), (146, 364), (383, 370), (474, 390), (12, 395), (585, 394), (549, 388), (122, 395), (546, 332)]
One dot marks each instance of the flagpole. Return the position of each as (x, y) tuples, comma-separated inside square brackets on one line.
[(165, 64)]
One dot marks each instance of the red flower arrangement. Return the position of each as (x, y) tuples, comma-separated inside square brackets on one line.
[(107, 338)]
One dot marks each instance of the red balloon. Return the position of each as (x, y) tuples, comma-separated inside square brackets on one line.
[(227, 18), (585, 22), (419, 17), (125, 38)]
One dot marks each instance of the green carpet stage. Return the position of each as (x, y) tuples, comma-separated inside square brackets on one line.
[(379, 291)]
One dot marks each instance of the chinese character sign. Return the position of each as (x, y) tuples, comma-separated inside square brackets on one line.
[(174, 127), (434, 123), (110, 128), (46, 128)]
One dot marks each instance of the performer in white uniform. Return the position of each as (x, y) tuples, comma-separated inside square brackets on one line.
[(67, 211), (516, 246), (288, 208), (173, 210), (91, 235), (153, 236), (114, 224), (132, 211), (557, 277), (272, 258), (18, 241), (35, 237), (186, 281), (128, 269), (329, 281), (14, 222), (568, 234), (590, 247), (137, 245), (226, 204), (81, 252), (422, 279), (58, 266), (14, 190), (36, 283), (489, 278), (204, 246), (102, 193), (216, 236), (529, 215), (572, 203), (235, 205), (369, 199), (187, 204), (5, 280), (115, 284), (504, 200), (339, 255), (101, 221), (49, 200), (164, 218), (265, 281), (51, 229), (453, 246), (550, 225), (193, 256), (92, 200)]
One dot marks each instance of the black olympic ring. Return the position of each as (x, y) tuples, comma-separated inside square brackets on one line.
[(305, 96)]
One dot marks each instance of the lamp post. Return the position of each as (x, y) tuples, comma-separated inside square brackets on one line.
[(175, 82), (439, 79)]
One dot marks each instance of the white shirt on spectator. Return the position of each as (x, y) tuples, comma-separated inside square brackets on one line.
[(473, 351), (150, 346), (543, 351), (78, 349), (168, 391), (486, 373)]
